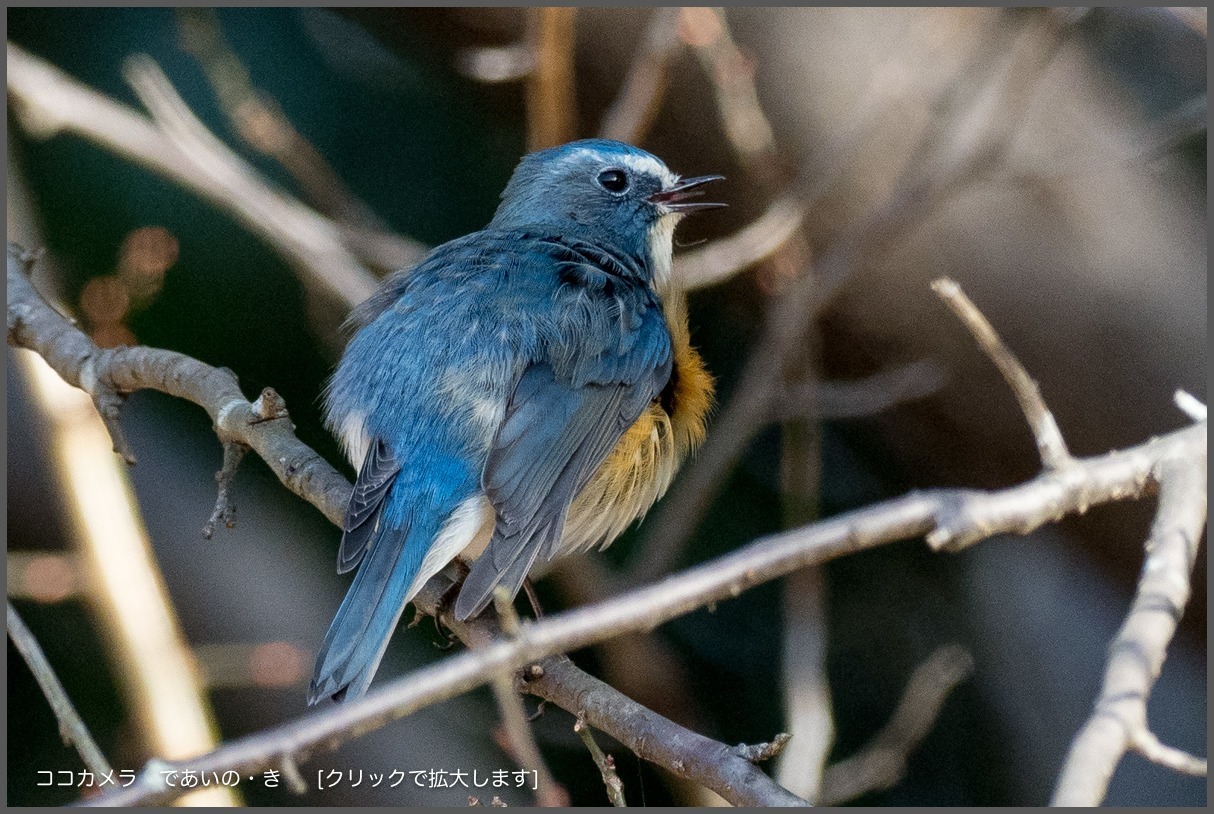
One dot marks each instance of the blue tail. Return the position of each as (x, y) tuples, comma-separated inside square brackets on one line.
[(359, 634)]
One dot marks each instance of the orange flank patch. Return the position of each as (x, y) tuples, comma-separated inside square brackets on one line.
[(642, 465)]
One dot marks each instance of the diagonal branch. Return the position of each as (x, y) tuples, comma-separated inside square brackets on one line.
[(1050, 445), (631, 114), (262, 427), (71, 727), (882, 763)]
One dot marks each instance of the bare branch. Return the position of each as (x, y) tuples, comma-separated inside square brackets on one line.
[(732, 75), (71, 726), (549, 793), (263, 125), (956, 515), (1050, 445), (606, 764), (33, 324), (923, 185), (631, 114), (177, 146), (1089, 482), (225, 509), (726, 257), (1119, 722), (882, 763), (858, 398), (1145, 743), (551, 101), (761, 752), (1191, 406)]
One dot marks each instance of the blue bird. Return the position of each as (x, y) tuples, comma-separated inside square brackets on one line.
[(525, 392)]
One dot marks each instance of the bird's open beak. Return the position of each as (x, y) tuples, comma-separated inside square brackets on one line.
[(675, 198)]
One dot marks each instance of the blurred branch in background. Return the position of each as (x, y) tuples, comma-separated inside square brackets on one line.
[(173, 143), (516, 728), (639, 99), (938, 169), (262, 125), (164, 694), (551, 100), (71, 727), (882, 763)]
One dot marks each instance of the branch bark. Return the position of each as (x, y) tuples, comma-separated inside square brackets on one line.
[(71, 726), (1119, 722)]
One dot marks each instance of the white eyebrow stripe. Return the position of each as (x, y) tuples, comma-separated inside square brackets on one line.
[(641, 164)]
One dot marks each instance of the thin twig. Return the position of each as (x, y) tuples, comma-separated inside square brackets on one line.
[(263, 125), (858, 398), (548, 793), (882, 763), (71, 725), (225, 509), (1119, 722), (1191, 406), (724, 258), (732, 74), (761, 752), (605, 762), (631, 114), (1050, 444)]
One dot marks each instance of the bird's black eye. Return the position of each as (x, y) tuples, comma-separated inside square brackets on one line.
[(613, 180)]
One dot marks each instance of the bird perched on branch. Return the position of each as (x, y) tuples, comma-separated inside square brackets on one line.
[(525, 392)]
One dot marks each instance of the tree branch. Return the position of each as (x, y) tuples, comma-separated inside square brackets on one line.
[(176, 145), (882, 763), (948, 515), (1119, 722), (551, 101), (1050, 445), (263, 125), (33, 324), (631, 114), (605, 763), (517, 729), (1116, 475), (71, 725)]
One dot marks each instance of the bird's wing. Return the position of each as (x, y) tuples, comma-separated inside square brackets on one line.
[(378, 473), (554, 435)]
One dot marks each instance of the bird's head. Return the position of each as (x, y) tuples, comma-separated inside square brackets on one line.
[(606, 190)]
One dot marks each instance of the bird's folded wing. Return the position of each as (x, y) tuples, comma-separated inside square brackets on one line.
[(552, 439), (378, 473)]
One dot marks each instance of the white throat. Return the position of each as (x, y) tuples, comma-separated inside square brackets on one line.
[(661, 248)]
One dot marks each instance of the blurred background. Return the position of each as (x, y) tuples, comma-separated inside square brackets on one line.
[(1051, 161)]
